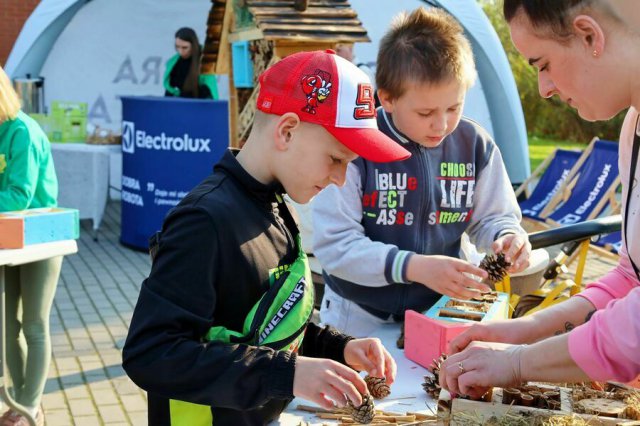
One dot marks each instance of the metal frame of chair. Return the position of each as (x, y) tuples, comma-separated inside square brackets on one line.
[(575, 238)]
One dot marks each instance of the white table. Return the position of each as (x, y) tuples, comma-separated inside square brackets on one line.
[(32, 253), (83, 172), (407, 394)]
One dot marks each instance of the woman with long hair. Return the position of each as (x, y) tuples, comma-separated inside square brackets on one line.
[(182, 74), (27, 180), (588, 55)]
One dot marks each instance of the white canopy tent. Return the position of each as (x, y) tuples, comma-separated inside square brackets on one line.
[(95, 51)]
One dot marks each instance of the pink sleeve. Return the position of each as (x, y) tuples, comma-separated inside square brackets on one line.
[(608, 346), (616, 284)]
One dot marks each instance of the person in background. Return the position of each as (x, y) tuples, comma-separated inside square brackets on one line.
[(576, 45), (27, 180), (182, 76), (389, 239)]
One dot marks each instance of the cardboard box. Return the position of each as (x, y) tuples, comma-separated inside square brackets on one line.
[(68, 121), (427, 335), (34, 226)]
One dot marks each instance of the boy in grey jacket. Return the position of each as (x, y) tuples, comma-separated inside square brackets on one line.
[(388, 240)]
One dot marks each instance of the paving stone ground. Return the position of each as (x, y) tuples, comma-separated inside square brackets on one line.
[(92, 309), (96, 294)]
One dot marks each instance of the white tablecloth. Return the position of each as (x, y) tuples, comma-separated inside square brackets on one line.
[(407, 394), (83, 172)]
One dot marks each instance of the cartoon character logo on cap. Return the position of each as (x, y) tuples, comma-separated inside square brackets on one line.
[(316, 87)]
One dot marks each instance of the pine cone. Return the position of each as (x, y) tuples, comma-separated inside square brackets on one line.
[(431, 385), (364, 413), (496, 266), (378, 387)]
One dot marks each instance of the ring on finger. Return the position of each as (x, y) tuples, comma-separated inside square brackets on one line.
[(461, 367)]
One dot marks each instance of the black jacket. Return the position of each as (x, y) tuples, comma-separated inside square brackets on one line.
[(216, 252)]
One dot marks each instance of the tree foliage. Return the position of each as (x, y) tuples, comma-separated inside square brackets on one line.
[(549, 118)]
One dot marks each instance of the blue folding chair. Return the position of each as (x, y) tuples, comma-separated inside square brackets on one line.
[(589, 190), (553, 173)]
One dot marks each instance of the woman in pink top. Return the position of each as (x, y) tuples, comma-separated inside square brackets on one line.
[(589, 56)]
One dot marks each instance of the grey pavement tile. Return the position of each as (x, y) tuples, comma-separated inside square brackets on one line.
[(106, 396), (88, 421), (57, 417), (77, 392), (112, 413), (54, 401), (138, 418), (82, 407)]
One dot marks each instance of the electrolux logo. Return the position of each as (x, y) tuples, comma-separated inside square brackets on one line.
[(128, 138), (140, 139)]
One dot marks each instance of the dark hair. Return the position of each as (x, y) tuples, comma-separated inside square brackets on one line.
[(554, 15), (191, 83), (426, 46)]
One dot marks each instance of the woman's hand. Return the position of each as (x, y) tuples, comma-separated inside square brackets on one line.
[(515, 331), (480, 367), (370, 355)]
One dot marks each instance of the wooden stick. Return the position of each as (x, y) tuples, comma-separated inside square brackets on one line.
[(420, 416), (332, 416), (361, 424), (396, 418), (388, 413), (400, 397), (313, 409)]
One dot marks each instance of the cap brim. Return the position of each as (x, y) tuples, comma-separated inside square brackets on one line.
[(370, 144)]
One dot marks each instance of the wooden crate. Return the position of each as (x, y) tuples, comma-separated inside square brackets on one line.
[(457, 411)]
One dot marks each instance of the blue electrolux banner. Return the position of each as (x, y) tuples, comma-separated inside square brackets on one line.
[(169, 145)]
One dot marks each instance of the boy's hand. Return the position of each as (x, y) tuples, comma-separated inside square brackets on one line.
[(516, 249), (446, 275), (322, 381), (369, 355)]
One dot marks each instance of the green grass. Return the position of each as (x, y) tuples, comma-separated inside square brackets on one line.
[(540, 148)]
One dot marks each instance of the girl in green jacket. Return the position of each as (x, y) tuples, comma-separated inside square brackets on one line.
[(27, 180)]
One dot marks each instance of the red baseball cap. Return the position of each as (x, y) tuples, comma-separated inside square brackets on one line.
[(323, 88)]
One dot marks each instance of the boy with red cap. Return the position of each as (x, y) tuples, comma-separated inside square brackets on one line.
[(221, 330)]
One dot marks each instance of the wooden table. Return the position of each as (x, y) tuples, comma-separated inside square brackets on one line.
[(407, 394), (32, 253)]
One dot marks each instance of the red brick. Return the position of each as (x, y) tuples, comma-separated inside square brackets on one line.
[(14, 14)]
